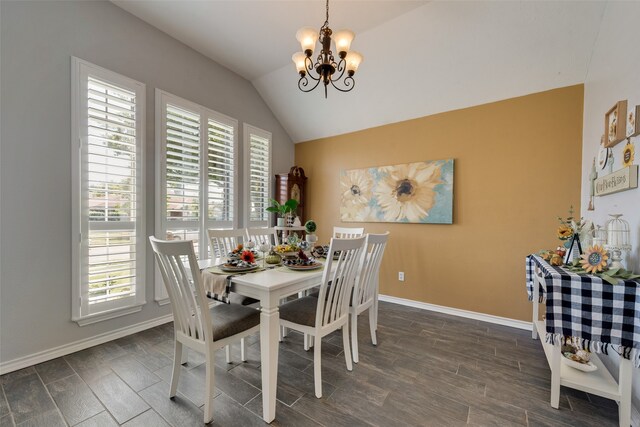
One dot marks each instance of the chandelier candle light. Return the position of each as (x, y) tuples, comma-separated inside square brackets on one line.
[(326, 69)]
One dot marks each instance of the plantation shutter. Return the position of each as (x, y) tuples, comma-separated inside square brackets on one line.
[(259, 175), (108, 113), (197, 174), (221, 172), (182, 174)]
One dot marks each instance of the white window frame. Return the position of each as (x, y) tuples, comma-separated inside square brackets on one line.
[(247, 131), (162, 99), (82, 312)]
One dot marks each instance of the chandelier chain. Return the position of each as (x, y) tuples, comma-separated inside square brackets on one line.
[(326, 22)]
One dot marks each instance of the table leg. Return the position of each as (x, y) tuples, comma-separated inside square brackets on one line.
[(625, 377), (536, 306), (269, 327), (555, 376)]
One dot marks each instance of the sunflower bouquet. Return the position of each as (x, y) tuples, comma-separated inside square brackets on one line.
[(569, 227)]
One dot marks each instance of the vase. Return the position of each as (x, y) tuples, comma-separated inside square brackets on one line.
[(311, 238), (289, 218), (280, 222)]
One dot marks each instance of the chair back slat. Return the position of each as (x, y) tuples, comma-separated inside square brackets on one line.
[(370, 268), (262, 235), (333, 301), (181, 275), (348, 232), (222, 242)]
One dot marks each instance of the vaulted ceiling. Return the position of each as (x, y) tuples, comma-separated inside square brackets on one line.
[(421, 57)]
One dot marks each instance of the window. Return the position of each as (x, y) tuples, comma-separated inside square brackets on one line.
[(257, 152), (108, 199), (196, 177)]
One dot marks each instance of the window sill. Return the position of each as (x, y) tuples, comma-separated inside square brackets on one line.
[(106, 315)]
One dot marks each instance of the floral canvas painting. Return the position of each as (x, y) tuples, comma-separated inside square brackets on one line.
[(420, 192)]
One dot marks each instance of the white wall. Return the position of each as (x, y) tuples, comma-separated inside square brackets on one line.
[(614, 74), (37, 42)]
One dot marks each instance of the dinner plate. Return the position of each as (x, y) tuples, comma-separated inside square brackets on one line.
[(235, 269), (304, 267)]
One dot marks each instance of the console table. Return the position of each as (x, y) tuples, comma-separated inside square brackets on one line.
[(602, 317)]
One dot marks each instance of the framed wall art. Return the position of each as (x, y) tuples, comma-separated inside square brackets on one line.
[(420, 192), (614, 124), (633, 121)]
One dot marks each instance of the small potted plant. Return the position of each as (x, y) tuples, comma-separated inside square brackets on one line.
[(288, 208), (310, 227)]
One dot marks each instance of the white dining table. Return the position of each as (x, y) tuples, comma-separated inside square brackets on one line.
[(269, 287)]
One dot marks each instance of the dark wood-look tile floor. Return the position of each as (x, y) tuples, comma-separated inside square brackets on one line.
[(429, 369)]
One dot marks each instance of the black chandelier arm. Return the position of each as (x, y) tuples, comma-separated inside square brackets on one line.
[(309, 66), (340, 68), (304, 82), (348, 82)]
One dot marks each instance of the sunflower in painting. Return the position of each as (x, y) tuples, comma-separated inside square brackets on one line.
[(355, 192), (407, 192), (594, 259)]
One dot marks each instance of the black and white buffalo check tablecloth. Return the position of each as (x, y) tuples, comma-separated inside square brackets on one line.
[(598, 315)]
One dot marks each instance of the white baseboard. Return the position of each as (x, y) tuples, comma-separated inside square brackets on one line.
[(63, 350), (505, 321)]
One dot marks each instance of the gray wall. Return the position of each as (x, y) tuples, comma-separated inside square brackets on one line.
[(613, 75), (37, 41)]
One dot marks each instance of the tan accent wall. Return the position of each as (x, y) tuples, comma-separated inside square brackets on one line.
[(517, 168)]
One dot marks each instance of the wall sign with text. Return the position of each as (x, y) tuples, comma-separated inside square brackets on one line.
[(620, 180)]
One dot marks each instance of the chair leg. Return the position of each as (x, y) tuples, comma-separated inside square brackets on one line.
[(242, 355), (227, 352), (317, 369), (373, 325), (354, 335), (184, 357), (175, 374), (345, 343), (306, 342), (209, 389)]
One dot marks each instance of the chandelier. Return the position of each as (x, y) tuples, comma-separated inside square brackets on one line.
[(326, 69)]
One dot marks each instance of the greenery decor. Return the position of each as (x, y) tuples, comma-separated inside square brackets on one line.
[(310, 226), (610, 275), (289, 206)]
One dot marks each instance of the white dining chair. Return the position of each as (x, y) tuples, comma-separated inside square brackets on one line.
[(221, 242), (348, 232), (198, 326), (318, 317), (262, 235), (365, 293)]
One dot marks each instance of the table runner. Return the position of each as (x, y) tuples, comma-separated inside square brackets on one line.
[(594, 313), (217, 283)]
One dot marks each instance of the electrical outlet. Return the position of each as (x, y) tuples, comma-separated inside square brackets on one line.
[(401, 276)]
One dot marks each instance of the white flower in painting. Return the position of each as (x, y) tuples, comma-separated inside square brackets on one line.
[(355, 188), (407, 192), (356, 212)]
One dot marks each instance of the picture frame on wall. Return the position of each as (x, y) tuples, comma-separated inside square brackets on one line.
[(633, 121), (614, 128)]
